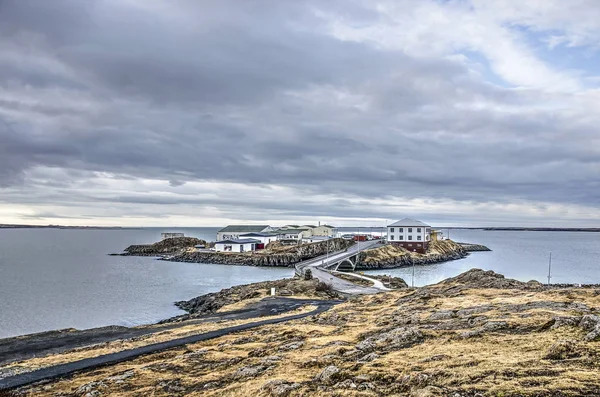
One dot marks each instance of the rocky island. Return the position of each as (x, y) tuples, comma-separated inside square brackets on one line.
[(477, 334), (181, 249)]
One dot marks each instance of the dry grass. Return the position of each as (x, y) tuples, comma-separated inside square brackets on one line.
[(503, 362), (120, 345)]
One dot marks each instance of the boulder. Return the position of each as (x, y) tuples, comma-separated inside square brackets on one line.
[(328, 375), (279, 388), (397, 338)]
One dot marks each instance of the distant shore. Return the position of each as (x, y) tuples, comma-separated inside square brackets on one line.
[(9, 226)]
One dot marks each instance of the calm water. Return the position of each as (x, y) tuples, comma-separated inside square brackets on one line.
[(52, 279), (519, 255)]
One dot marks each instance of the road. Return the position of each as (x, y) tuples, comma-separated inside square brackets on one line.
[(56, 342), (317, 267), (62, 370)]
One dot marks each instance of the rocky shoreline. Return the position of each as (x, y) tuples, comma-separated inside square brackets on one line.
[(274, 255), (389, 256)]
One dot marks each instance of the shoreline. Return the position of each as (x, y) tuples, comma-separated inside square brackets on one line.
[(263, 285)]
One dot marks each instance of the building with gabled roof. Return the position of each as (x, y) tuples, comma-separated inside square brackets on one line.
[(237, 245), (410, 234), (264, 238), (233, 232)]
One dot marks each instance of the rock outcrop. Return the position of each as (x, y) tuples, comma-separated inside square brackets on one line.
[(212, 302), (391, 256), (164, 247), (280, 256), (477, 278)]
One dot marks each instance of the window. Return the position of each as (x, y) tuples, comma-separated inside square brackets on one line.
[(418, 230), (418, 245), (401, 229), (419, 237), (392, 237), (401, 238), (410, 237), (410, 245), (410, 229), (392, 230)]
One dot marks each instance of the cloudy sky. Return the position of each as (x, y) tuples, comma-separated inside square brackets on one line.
[(191, 113)]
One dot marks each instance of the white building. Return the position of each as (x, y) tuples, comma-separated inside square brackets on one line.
[(323, 230), (171, 235), (238, 245), (315, 239), (264, 238), (233, 232), (292, 234), (410, 234)]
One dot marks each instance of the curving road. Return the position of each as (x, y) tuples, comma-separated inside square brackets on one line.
[(63, 370)]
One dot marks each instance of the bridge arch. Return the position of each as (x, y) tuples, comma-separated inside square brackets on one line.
[(345, 266)]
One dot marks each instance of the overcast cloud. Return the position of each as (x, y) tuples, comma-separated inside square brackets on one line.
[(193, 113)]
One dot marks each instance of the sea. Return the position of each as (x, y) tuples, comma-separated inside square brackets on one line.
[(64, 278)]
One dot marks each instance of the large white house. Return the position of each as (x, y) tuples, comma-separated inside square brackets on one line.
[(237, 245), (410, 234)]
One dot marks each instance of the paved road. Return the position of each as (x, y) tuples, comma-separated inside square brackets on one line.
[(376, 283), (63, 370), (317, 267)]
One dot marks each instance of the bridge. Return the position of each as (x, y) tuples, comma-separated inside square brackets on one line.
[(324, 268)]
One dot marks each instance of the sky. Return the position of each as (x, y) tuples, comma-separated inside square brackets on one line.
[(353, 112)]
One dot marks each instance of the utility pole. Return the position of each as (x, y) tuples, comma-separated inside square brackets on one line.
[(358, 241), (549, 268)]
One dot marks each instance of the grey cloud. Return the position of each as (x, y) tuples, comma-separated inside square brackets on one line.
[(255, 93)]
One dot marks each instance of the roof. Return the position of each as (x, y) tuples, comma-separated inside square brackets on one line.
[(239, 241), (409, 222), (258, 235), (290, 231), (329, 226), (243, 228)]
